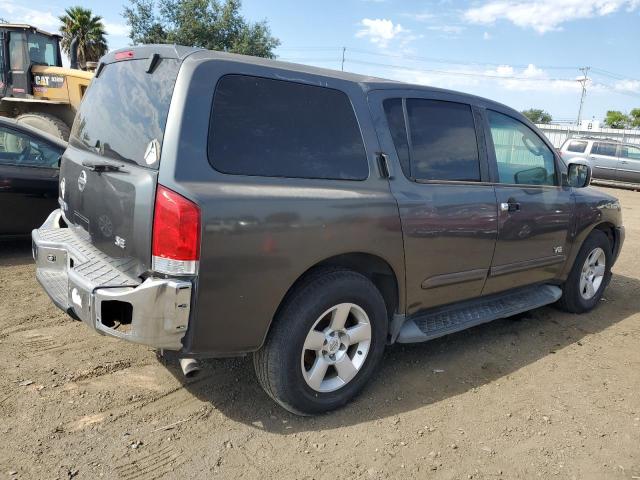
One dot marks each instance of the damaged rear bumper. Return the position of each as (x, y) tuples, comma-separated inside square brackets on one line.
[(100, 291)]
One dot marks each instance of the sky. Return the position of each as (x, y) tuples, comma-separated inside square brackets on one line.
[(526, 54)]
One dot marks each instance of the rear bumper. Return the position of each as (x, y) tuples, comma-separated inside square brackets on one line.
[(104, 294)]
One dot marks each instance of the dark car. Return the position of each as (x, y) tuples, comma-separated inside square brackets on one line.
[(28, 176), (220, 205)]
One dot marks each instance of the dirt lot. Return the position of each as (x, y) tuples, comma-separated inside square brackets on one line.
[(547, 395)]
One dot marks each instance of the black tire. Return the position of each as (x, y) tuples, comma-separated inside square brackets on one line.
[(572, 299), (278, 362), (47, 123)]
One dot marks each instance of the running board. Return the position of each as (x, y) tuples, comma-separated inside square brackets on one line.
[(460, 316)]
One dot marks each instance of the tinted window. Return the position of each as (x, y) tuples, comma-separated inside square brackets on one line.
[(395, 118), (276, 128), (17, 148), (125, 109), (42, 50), (522, 156), (631, 152), (443, 139), (576, 146), (608, 149), (17, 42)]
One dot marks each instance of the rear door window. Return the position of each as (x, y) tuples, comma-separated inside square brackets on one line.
[(124, 112), (607, 149), (441, 144), (394, 112), (443, 141), (576, 146), (277, 128)]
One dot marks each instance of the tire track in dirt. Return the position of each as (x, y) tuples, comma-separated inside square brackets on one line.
[(152, 465)]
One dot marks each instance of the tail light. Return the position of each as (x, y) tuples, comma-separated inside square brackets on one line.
[(176, 234)]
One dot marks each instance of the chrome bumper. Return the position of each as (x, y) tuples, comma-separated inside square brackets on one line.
[(83, 281)]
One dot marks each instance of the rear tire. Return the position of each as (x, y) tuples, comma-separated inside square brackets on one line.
[(589, 276), (309, 364), (47, 123)]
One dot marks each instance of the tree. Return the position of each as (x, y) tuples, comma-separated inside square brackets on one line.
[(537, 115), (635, 117), (208, 24), (88, 28), (616, 119)]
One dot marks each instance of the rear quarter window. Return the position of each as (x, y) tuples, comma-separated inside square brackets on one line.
[(576, 146), (277, 128)]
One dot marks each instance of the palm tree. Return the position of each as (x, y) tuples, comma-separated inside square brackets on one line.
[(88, 28)]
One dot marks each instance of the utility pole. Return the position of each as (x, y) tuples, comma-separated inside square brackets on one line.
[(344, 49), (583, 82)]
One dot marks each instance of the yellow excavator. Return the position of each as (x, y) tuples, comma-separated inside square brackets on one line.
[(35, 88)]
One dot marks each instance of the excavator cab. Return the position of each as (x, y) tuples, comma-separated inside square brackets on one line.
[(34, 86)]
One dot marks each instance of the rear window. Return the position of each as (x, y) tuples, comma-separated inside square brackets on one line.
[(124, 111), (277, 128), (576, 146)]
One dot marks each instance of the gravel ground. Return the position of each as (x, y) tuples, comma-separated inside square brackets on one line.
[(545, 394)]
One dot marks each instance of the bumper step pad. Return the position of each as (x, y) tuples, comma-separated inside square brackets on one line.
[(454, 318)]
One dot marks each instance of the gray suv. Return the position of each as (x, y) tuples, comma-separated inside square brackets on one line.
[(609, 159), (219, 205)]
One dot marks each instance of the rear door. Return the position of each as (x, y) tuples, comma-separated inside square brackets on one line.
[(534, 210), (28, 181), (447, 207), (111, 166), (604, 160), (629, 163)]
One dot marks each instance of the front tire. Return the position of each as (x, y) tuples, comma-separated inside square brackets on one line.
[(325, 343), (589, 276)]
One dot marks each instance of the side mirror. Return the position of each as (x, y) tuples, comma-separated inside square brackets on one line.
[(578, 175)]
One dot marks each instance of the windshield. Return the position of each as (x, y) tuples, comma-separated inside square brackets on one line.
[(124, 112), (43, 50)]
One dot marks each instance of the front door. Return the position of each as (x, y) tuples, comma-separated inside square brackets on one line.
[(18, 84), (534, 210), (440, 181), (629, 163)]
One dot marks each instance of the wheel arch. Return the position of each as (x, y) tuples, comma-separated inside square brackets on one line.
[(609, 230), (607, 227), (372, 266)]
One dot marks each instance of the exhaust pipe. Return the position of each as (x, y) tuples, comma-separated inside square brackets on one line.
[(190, 367), (73, 53)]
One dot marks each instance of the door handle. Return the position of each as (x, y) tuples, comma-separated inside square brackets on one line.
[(509, 207)]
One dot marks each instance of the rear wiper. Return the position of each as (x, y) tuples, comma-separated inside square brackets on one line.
[(102, 167)]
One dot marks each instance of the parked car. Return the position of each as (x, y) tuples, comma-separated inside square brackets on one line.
[(28, 176), (379, 212), (609, 159)]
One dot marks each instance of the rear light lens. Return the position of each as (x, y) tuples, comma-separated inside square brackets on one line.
[(176, 234)]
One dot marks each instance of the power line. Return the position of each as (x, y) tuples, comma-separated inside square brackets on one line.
[(594, 70), (434, 71)]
